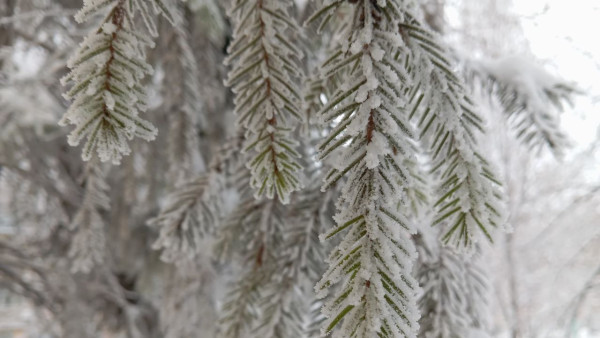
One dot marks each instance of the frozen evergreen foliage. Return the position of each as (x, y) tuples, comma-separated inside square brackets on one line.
[(264, 73), (373, 262), (187, 217), (279, 263), (184, 143), (106, 76), (272, 204), (446, 120), (530, 96), (192, 210), (92, 7), (454, 293), (284, 301), (188, 303), (88, 244), (394, 71), (250, 236)]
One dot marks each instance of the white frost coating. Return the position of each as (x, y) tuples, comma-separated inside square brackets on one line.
[(371, 135), (88, 244), (367, 69), (533, 97), (377, 53), (129, 79), (109, 28), (376, 148), (448, 123), (105, 110), (187, 217), (374, 101), (527, 76), (268, 102), (101, 60), (376, 251), (109, 100), (454, 295), (362, 93)]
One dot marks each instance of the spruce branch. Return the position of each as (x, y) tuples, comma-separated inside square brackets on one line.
[(187, 118), (239, 310), (373, 262), (264, 78), (106, 92), (88, 245), (530, 97), (193, 210), (285, 299), (106, 76), (469, 200), (190, 213), (252, 234), (453, 302)]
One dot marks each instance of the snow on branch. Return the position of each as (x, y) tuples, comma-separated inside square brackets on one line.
[(268, 102), (285, 297), (251, 233), (531, 98), (187, 121), (106, 80), (376, 294), (190, 214), (89, 243), (454, 299), (398, 86), (470, 200), (193, 210)]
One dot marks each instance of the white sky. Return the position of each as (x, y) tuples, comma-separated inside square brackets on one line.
[(564, 34)]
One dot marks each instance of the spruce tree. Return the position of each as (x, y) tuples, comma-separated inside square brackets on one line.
[(323, 166)]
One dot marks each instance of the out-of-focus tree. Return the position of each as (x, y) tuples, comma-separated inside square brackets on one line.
[(549, 195)]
